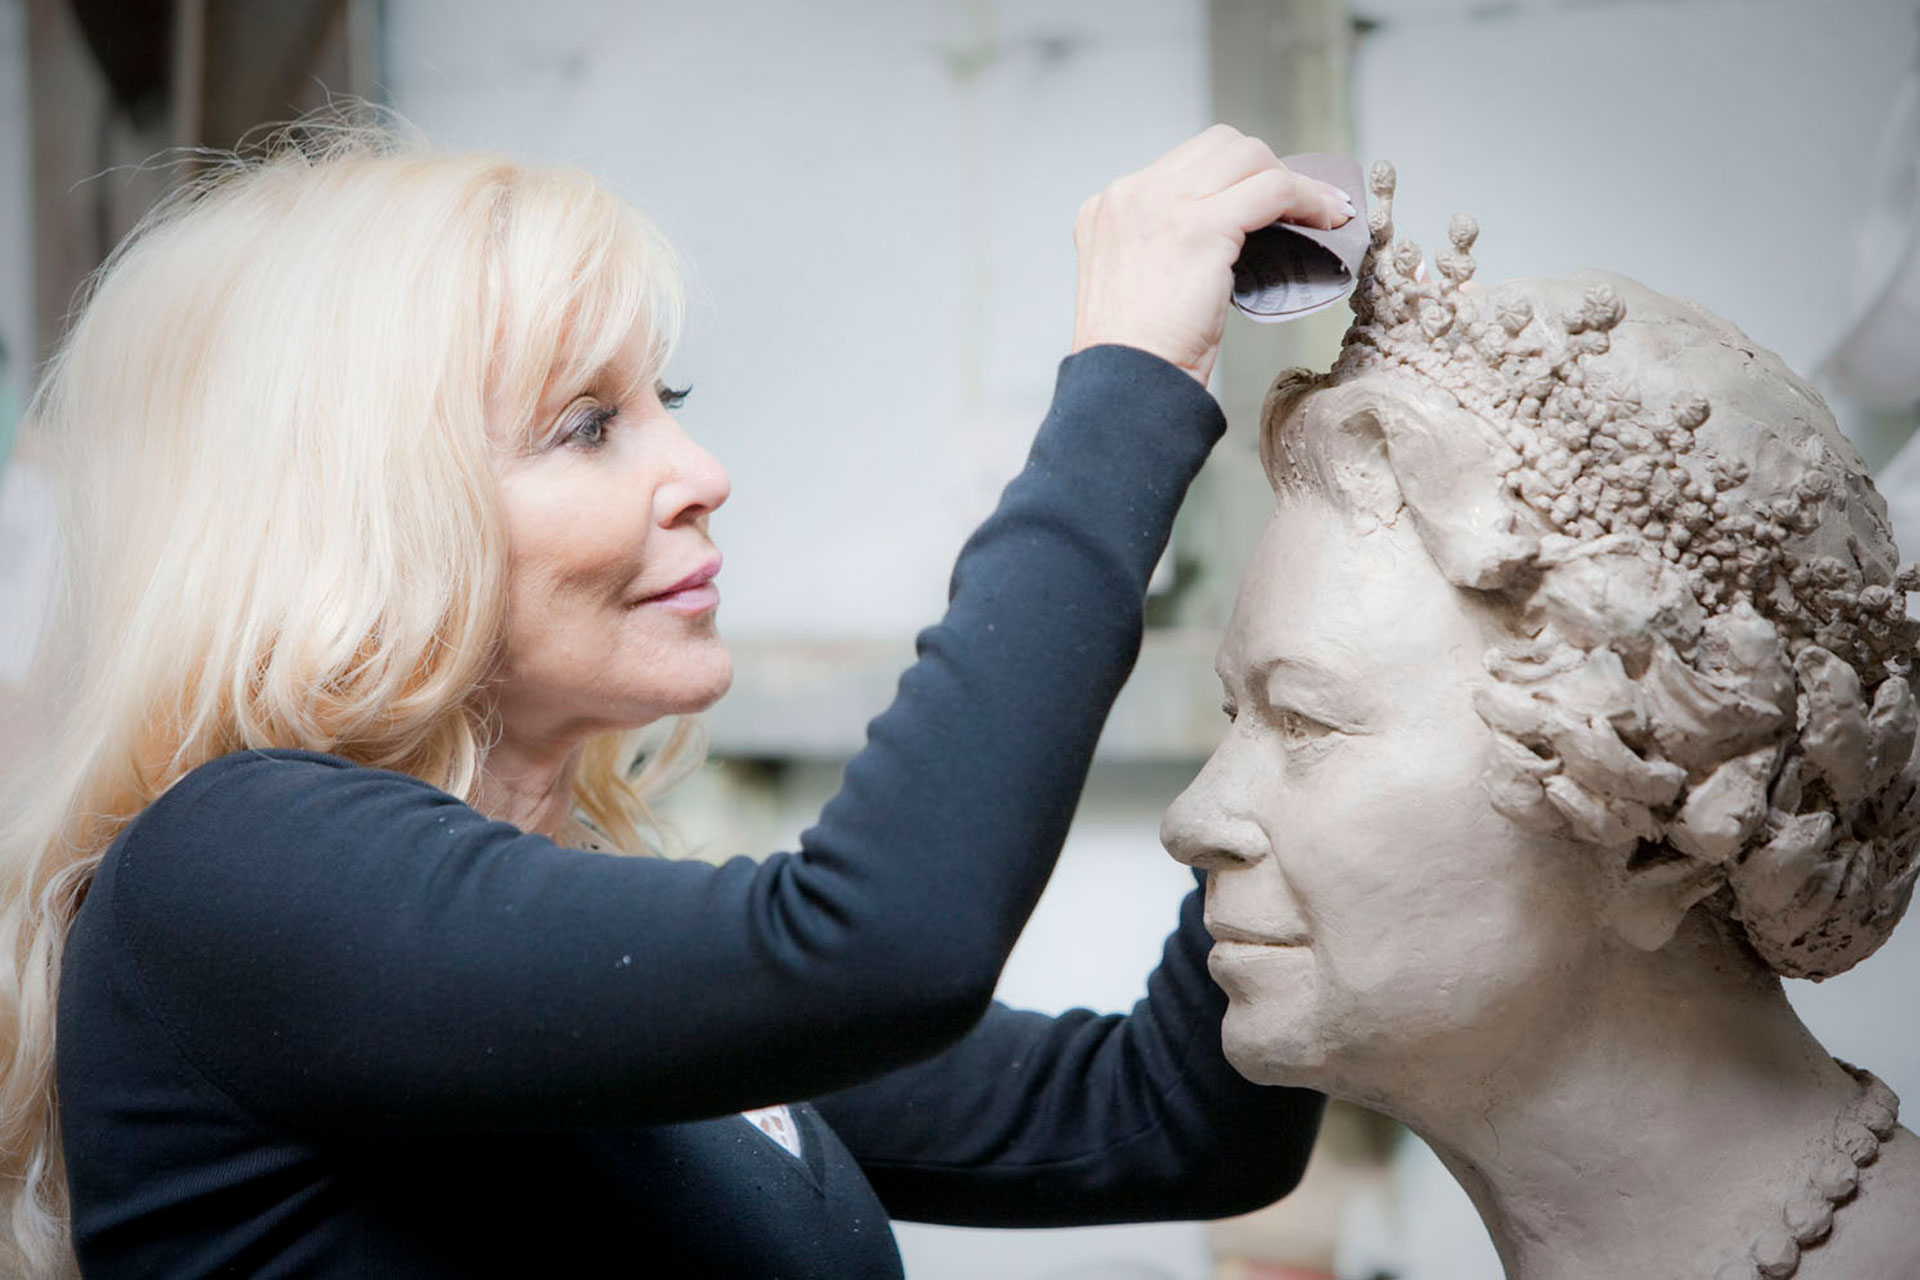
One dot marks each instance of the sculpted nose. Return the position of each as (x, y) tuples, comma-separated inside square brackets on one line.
[(1204, 828)]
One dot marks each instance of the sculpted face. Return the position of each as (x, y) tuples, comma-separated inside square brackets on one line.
[(611, 598), (1575, 707), (1368, 906)]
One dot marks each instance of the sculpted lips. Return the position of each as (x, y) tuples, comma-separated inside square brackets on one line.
[(694, 593), (1228, 934)]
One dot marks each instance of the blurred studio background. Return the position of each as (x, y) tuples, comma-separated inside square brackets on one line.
[(877, 198)]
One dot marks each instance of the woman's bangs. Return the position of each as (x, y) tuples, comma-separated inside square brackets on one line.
[(617, 277)]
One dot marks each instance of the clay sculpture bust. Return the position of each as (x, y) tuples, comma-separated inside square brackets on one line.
[(1571, 708)]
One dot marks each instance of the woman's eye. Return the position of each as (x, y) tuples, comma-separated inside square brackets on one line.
[(669, 397), (588, 430)]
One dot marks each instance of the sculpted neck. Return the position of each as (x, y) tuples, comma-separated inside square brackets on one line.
[(1653, 1130)]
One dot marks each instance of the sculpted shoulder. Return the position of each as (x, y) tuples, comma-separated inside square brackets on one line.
[(1875, 1236)]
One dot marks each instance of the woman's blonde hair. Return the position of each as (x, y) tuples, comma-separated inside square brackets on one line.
[(273, 422)]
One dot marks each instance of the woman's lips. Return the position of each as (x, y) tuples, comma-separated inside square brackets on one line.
[(695, 593), (692, 600)]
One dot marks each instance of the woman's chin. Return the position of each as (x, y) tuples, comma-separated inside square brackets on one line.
[(699, 682), (716, 687), (690, 684)]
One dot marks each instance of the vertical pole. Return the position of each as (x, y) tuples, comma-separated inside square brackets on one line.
[(1280, 70), (189, 78), (66, 109)]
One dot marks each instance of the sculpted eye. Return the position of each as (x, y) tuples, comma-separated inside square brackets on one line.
[(1297, 728), (1228, 710)]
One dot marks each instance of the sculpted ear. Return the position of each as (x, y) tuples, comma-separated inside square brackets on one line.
[(1454, 481), (1330, 443), (1653, 892)]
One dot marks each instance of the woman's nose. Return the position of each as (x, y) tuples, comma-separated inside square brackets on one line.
[(697, 486), (1206, 826)]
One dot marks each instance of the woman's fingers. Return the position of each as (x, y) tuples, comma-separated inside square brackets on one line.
[(1281, 195), (1213, 170), (1222, 159), (1157, 247), (1212, 138)]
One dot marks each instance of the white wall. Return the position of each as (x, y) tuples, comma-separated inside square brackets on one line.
[(1714, 149), (878, 199)]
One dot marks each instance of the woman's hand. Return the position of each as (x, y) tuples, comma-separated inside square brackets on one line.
[(1157, 247)]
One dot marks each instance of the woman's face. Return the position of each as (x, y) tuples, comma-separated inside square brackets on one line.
[(1371, 913), (610, 588)]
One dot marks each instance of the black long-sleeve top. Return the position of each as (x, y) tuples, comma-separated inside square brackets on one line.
[(319, 1019)]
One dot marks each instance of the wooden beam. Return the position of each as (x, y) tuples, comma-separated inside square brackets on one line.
[(262, 63), (66, 103), (189, 79), (1281, 70), (98, 166)]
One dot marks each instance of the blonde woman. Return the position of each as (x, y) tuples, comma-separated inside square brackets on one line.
[(380, 533)]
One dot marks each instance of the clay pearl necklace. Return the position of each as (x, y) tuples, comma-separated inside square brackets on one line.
[(1832, 1183)]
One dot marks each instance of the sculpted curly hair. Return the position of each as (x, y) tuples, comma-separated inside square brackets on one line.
[(1707, 669)]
